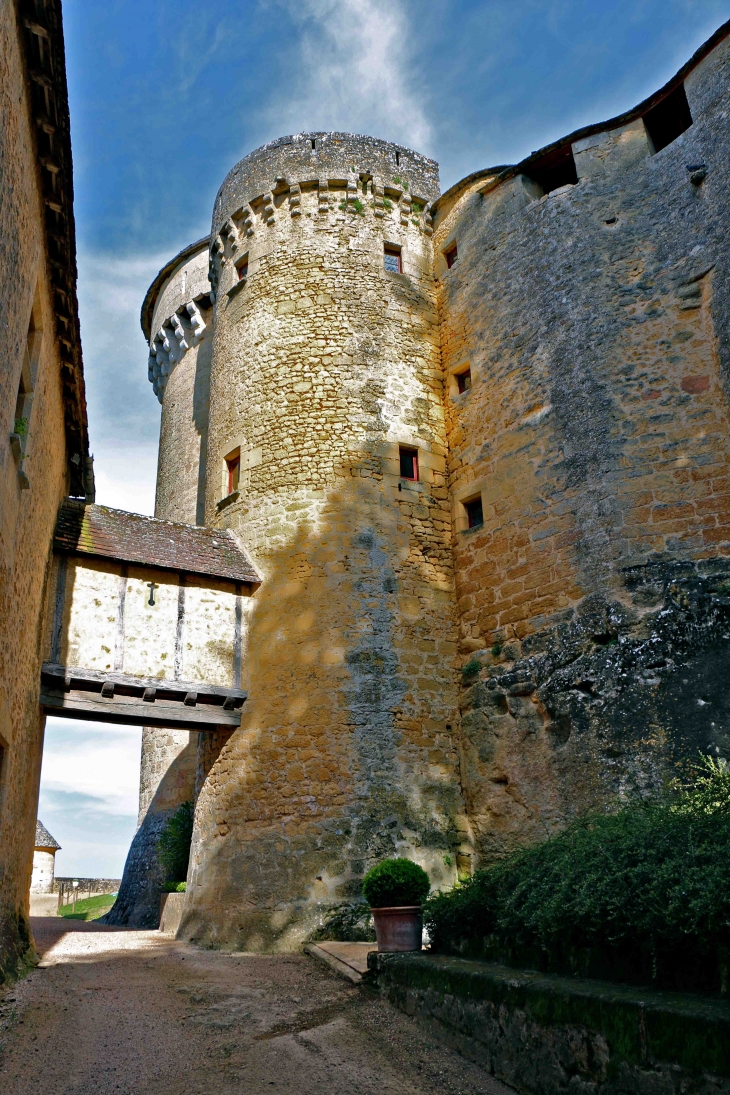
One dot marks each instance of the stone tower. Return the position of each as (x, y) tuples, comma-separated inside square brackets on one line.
[(478, 445), (325, 386), (176, 319)]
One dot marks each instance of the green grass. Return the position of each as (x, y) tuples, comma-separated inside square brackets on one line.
[(89, 908)]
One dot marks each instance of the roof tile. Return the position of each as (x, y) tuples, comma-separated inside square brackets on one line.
[(133, 538)]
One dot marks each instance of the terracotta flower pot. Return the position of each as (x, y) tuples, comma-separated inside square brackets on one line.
[(399, 928)]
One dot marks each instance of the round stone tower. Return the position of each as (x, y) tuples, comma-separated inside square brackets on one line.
[(176, 320), (326, 458)]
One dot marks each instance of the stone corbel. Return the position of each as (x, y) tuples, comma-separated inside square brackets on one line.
[(428, 220), (219, 250), (269, 208), (405, 208), (295, 200), (248, 220), (179, 332), (213, 278), (197, 321), (231, 233), (352, 192), (378, 198), (324, 197)]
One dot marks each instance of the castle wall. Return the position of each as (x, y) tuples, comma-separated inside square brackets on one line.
[(32, 483), (593, 600), (323, 364)]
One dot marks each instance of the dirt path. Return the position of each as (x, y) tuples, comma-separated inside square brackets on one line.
[(137, 1013)]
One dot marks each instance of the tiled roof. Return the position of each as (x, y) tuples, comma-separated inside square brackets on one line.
[(43, 838), (133, 538)]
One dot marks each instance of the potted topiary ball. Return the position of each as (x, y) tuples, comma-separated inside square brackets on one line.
[(395, 889)]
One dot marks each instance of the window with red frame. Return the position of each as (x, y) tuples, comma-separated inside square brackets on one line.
[(451, 255), (233, 466), (392, 260), (409, 464)]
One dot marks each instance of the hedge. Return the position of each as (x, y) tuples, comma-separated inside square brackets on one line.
[(641, 896)]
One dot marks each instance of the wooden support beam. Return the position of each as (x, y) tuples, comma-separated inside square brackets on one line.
[(92, 680), (74, 692), (135, 712)]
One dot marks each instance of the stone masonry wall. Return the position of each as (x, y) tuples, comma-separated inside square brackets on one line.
[(323, 364), (550, 1035), (593, 599), (30, 493)]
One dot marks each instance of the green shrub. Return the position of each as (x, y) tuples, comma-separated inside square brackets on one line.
[(174, 887), (395, 882), (643, 895), (173, 848), (347, 923)]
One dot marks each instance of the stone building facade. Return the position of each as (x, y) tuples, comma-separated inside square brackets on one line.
[(477, 447), (43, 442)]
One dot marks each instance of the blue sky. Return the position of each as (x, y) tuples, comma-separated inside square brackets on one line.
[(166, 96)]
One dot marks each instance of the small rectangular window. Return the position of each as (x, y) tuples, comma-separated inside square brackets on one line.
[(409, 464), (233, 464), (451, 255), (668, 119), (554, 169), (392, 260), (474, 512), (463, 381), (242, 268)]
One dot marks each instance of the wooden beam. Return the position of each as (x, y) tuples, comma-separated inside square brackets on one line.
[(173, 714), (91, 680)]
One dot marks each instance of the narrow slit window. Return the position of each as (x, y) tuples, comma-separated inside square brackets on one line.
[(392, 259), (233, 470), (668, 119), (451, 255), (397, 159), (474, 512), (463, 381), (314, 144), (242, 268), (24, 397), (409, 464)]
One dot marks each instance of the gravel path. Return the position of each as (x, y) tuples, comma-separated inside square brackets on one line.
[(138, 1013)]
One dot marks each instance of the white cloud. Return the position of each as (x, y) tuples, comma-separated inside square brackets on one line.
[(124, 414), (93, 759), (354, 72), (87, 859)]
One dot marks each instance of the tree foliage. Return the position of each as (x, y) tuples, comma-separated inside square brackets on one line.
[(173, 848)]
